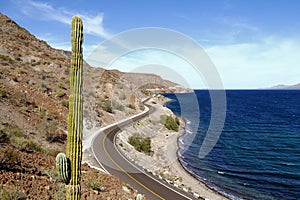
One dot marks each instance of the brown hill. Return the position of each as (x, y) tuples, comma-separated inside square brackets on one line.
[(34, 89), (285, 87)]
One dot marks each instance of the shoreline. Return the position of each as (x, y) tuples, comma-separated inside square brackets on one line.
[(165, 162), (193, 175), (183, 168)]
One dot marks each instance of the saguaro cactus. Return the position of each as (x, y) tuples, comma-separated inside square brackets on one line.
[(74, 146)]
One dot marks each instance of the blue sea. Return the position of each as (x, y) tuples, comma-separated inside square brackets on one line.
[(257, 155)]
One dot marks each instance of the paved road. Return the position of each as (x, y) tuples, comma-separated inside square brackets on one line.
[(113, 162)]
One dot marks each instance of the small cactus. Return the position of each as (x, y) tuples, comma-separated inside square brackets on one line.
[(63, 167)]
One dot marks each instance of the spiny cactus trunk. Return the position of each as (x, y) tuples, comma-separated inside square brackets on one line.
[(74, 146)]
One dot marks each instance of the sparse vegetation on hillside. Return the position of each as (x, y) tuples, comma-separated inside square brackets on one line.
[(131, 106), (140, 143), (122, 96), (171, 123), (34, 90), (6, 194), (146, 92)]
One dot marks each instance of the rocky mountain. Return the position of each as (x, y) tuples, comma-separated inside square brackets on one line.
[(34, 89), (286, 87)]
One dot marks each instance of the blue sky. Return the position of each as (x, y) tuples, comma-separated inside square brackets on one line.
[(253, 43)]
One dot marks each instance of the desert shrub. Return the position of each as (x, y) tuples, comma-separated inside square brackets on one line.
[(108, 107), (65, 103), (177, 120), (44, 88), (170, 122), (122, 96), (41, 111), (17, 132), (54, 175), (51, 152), (146, 92), (95, 183), (29, 145), (140, 143), (9, 158), (61, 85), (4, 138), (60, 192), (60, 93), (24, 109), (117, 106), (131, 106), (4, 57), (8, 194), (3, 93), (21, 70)]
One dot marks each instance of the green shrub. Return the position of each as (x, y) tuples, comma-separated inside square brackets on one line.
[(146, 92), (17, 132), (177, 120), (21, 71), (9, 158), (140, 143), (170, 122), (117, 106), (41, 111), (29, 145), (131, 106), (61, 85), (95, 183), (51, 152), (3, 93), (65, 103), (24, 109), (60, 93), (107, 107)]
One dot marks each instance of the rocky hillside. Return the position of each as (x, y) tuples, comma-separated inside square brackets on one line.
[(286, 87), (34, 89)]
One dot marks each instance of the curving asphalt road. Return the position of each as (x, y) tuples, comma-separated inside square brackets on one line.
[(112, 162)]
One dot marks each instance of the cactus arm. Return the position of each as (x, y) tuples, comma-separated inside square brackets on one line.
[(74, 146), (63, 167)]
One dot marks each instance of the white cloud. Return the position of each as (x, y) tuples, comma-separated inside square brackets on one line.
[(169, 66), (266, 63), (92, 24)]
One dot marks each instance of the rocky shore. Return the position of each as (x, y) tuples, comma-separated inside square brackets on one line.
[(163, 160), (164, 145)]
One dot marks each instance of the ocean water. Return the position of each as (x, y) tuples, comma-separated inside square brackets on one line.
[(257, 155)]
